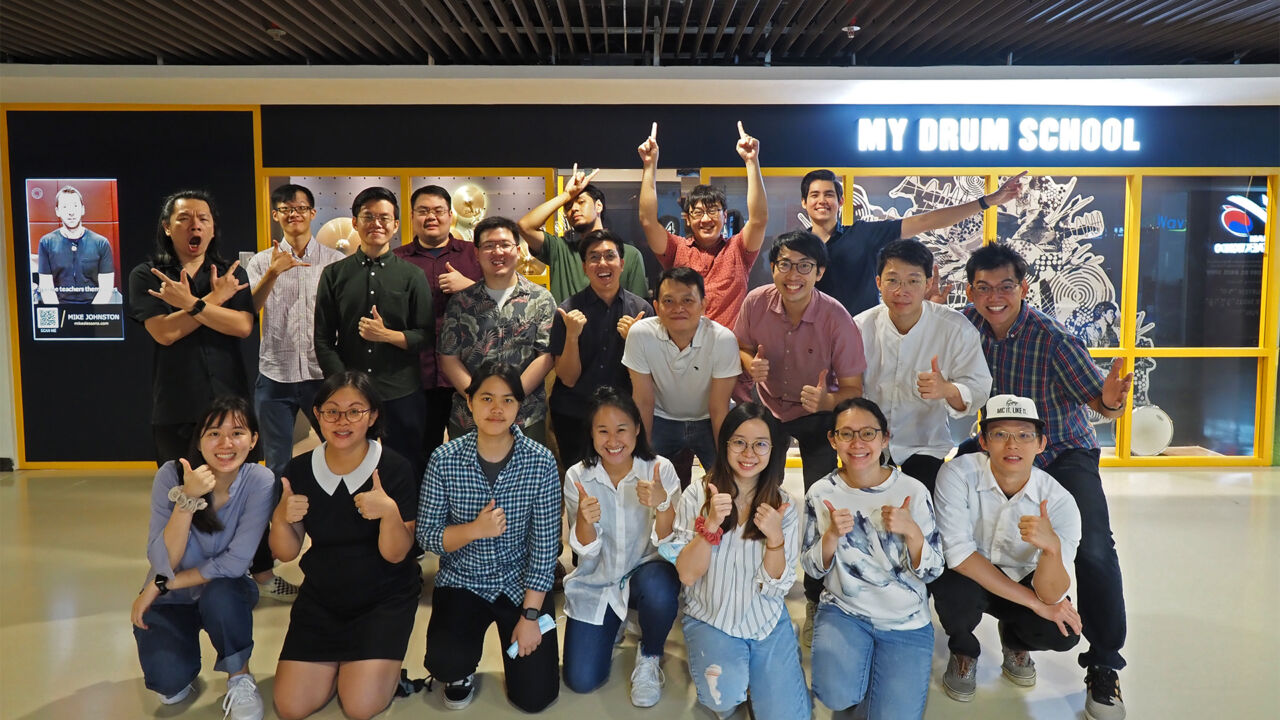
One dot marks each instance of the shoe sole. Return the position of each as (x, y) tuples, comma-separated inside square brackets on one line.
[(459, 704), (1019, 680), (1090, 716), (645, 705), (956, 694)]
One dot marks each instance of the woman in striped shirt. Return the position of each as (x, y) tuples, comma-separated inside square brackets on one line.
[(741, 537)]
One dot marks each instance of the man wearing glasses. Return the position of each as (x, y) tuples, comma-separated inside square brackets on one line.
[(924, 361), (505, 319), (451, 266), (1032, 355), (373, 313)]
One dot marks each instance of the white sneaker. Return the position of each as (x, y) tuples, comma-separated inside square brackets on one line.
[(177, 697), (646, 681), (279, 589), (242, 701)]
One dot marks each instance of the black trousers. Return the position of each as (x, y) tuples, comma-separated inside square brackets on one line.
[(404, 421), (439, 402), (923, 468), (455, 639), (961, 603), (572, 438)]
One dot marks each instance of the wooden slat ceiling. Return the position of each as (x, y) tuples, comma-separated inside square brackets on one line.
[(640, 32)]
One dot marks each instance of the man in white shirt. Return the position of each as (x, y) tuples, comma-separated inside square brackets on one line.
[(1009, 533), (924, 361), (683, 367)]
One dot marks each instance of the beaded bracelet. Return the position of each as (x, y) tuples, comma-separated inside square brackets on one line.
[(185, 502), (700, 527)]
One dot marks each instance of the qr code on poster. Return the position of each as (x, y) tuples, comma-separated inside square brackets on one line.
[(47, 318)]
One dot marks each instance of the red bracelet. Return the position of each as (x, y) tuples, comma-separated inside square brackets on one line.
[(700, 527)]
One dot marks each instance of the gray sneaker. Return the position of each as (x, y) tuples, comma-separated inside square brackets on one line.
[(961, 678), (806, 630), (646, 681), (1019, 667), (1102, 700)]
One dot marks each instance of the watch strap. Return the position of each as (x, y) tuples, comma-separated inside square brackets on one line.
[(197, 308)]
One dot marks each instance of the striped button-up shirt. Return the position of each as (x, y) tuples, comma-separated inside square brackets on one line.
[(1041, 360), (288, 353), (455, 490)]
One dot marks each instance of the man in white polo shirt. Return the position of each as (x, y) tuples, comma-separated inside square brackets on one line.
[(1009, 533), (683, 367)]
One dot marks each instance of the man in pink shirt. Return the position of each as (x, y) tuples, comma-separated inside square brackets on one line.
[(723, 264)]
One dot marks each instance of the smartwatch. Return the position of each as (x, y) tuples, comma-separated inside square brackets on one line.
[(530, 613), (197, 308), (162, 582)]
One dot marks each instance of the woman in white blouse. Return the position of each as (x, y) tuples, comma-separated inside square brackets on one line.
[(741, 536), (870, 533), (619, 501)]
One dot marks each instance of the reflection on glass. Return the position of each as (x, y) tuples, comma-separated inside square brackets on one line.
[(1207, 417)]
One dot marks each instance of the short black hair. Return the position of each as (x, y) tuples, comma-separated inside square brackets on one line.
[(286, 192), (685, 276), (595, 193), (803, 242), (595, 237), (508, 373), (705, 195), (827, 175), (859, 403), (359, 381), (490, 224), (434, 191), (374, 194), (994, 257), (907, 250)]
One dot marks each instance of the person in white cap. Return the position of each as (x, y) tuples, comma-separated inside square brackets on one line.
[(1009, 533)]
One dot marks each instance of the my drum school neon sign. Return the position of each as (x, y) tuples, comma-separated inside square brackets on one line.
[(993, 134)]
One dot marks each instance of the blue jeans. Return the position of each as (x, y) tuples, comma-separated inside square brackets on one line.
[(588, 649), (672, 436), (277, 405), (725, 667), (853, 662), (169, 650)]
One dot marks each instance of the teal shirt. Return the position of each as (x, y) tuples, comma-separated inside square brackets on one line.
[(568, 278)]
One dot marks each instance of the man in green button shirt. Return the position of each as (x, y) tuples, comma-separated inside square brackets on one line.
[(373, 313), (584, 205)]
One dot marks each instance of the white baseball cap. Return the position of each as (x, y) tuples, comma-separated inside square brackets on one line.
[(1010, 407)]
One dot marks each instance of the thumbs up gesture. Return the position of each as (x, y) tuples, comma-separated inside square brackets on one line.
[(1037, 530), (719, 506), (650, 491), (291, 508), (588, 507), (453, 281), (491, 522), (814, 397), (372, 328), (769, 520), (841, 520), (932, 385), (759, 369), (375, 504), (196, 483), (625, 322), (574, 321), (898, 520)]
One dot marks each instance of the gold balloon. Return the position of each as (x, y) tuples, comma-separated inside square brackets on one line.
[(340, 235)]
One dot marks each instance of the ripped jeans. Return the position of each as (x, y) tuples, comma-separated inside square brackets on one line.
[(724, 667)]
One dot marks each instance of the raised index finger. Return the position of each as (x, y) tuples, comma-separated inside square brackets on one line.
[(162, 276), (742, 134), (653, 131)]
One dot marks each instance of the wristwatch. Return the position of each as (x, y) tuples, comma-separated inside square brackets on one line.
[(197, 308), (530, 613), (162, 582)]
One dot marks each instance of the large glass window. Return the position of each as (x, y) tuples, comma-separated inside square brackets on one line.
[(1207, 418)]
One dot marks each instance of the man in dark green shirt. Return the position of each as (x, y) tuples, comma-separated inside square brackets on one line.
[(373, 313), (584, 207)]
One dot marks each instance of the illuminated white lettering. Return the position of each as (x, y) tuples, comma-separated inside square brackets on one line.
[(1069, 134), (928, 134), (948, 134), (871, 134), (1027, 129), (1048, 134), (897, 131), (1130, 144), (1090, 134), (995, 133), (970, 134), (1112, 134)]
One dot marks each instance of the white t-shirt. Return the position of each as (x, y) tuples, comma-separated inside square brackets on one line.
[(682, 378)]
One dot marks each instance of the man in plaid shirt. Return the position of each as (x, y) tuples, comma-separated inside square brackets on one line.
[(1032, 355)]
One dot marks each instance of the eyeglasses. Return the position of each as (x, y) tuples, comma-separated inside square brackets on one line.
[(759, 447), (352, 415), (804, 267), (492, 247), (440, 212), (866, 434), (1004, 436), (606, 256), (914, 283), (291, 210), (370, 219), (699, 213), (1007, 287)]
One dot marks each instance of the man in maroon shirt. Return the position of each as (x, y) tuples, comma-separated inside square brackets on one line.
[(450, 265)]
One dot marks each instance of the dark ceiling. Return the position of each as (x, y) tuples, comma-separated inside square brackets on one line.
[(640, 32)]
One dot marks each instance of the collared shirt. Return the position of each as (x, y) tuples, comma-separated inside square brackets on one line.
[(1041, 360), (851, 265), (568, 277), (894, 362), (871, 575), (462, 256), (724, 271), (975, 516), (682, 378), (599, 348), (225, 553), (190, 372), (824, 339), (623, 536), (348, 291), (75, 264), (477, 329), (288, 351), (736, 595), (455, 490)]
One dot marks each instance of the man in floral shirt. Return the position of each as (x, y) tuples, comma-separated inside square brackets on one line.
[(505, 318)]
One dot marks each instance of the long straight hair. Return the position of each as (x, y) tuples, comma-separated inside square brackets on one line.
[(768, 489), (222, 407)]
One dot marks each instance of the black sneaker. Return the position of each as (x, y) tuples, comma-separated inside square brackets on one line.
[(460, 693), (1102, 700)]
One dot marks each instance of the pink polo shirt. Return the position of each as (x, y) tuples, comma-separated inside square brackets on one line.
[(825, 339), (724, 272)]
